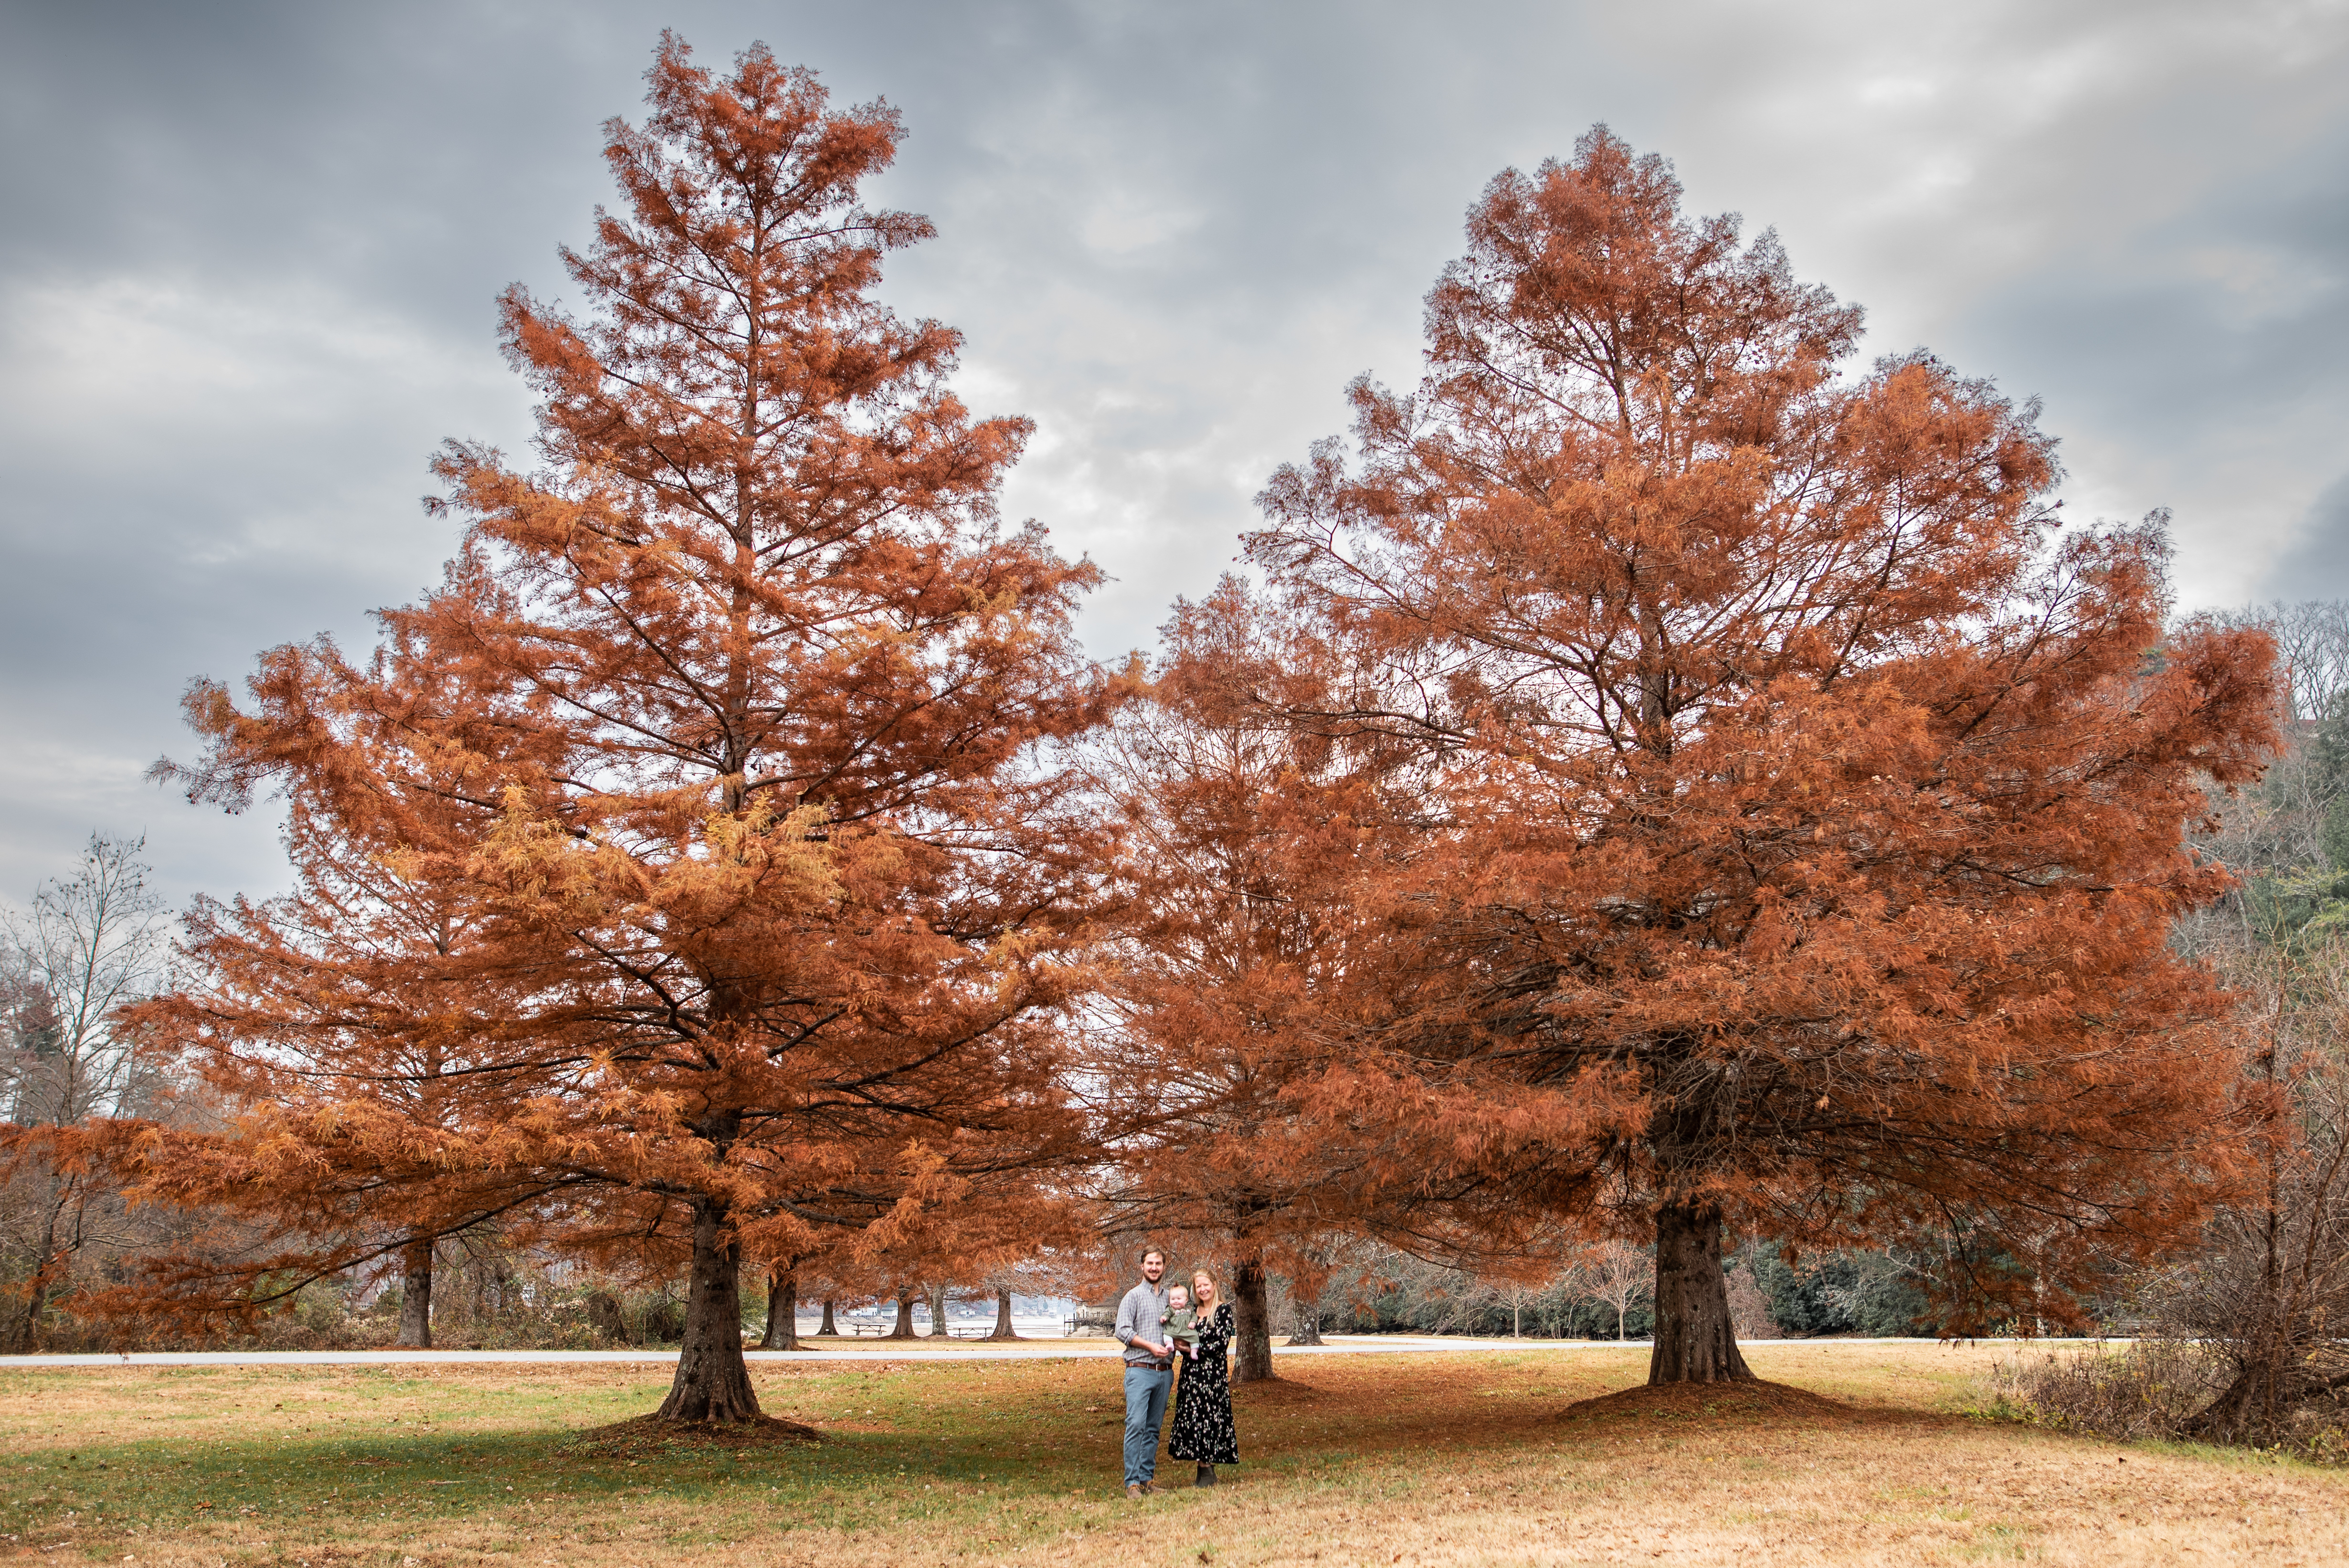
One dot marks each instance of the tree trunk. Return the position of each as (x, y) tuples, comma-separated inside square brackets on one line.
[(905, 1324), (782, 1310), (610, 1322), (1251, 1325), (53, 1263), (939, 1312), (826, 1325), (713, 1381), (2271, 1377), (1695, 1341), (1308, 1324), (1003, 1316), (416, 1296), (25, 1337), (2234, 1415)]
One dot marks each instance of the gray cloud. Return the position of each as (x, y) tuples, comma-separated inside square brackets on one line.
[(2317, 564), (245, 283)]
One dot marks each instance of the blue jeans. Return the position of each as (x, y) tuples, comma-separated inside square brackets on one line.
[(1146, 1412)]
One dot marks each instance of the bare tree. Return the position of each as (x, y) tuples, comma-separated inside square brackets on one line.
[(1534, 1281), (2288, 835), (1618, 1274), (90, 943), (1426, 1296), (2313, 642)]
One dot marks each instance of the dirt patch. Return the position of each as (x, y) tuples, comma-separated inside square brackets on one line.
[(659, 1435), (1709, 1401)]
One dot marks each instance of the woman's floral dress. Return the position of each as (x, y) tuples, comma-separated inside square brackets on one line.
[(1202, 1430)]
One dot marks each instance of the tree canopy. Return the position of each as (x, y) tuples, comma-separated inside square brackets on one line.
[(726, 735), (1817, 810)]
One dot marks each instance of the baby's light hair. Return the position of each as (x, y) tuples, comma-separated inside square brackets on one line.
[(1171, 1291)]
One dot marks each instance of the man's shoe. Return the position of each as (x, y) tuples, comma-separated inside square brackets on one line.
[(1149, 1487), (1133, 1492)]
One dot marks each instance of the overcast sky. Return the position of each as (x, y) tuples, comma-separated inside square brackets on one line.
[(248, 253)]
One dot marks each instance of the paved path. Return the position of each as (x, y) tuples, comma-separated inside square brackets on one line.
[(868, 1350)]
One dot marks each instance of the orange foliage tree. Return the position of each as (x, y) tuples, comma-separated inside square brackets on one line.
[(337, 1026), (1815, 811), (1254, 849), (726, 736)]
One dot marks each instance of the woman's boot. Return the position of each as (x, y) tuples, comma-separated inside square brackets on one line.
[(1206, 1476)]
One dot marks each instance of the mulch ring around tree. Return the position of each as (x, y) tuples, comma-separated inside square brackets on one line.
[(649, 1435), (1746, 1399)]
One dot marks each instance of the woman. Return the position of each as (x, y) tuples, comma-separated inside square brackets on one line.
[(1202, 1430)]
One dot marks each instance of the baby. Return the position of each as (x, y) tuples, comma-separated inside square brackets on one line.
[(1182, 1323)]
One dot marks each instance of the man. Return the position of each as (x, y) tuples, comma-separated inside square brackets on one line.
[(1149, 1372)]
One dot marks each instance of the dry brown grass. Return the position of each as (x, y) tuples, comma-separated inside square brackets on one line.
[(1387, 1459)]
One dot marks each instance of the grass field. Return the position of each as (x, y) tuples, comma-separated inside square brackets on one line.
[(1450, 1459)]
